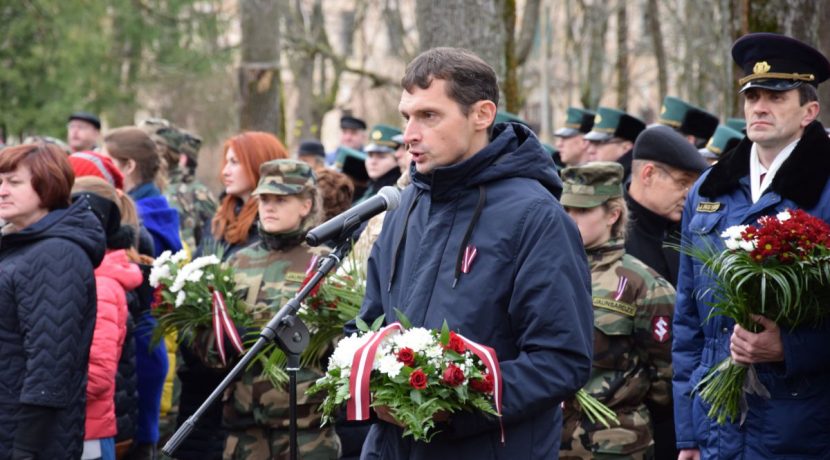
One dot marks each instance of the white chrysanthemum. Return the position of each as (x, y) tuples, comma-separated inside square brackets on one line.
[(344, 353), (389, 365), (196, 276), (783, 215), (732, 244), (180, 299), (162, 259), (180, 256), (417, 338), (733, 232), (203, 261), (747, 246), (434, 352), (159, 273)]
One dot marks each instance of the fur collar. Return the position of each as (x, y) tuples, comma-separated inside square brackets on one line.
[(801, 178)]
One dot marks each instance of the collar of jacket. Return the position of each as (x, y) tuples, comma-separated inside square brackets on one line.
[(644, 218), (801, 178), (603, 256), (145, 190)]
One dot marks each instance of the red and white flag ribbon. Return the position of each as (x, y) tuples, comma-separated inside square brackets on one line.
[(470, 253), (223, 324), (357, 408), (488, 356)]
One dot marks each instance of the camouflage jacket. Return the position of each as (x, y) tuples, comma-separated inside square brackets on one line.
[(267, 279), (633, 308), (195, 203)]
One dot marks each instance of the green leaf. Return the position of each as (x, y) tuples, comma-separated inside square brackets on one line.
[(403, 319), (378, 322), (416, 396), (445, 333), (361, 325)]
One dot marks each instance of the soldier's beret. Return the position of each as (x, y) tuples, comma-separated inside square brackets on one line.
[(663, 144)]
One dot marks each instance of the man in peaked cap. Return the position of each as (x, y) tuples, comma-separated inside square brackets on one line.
[(783, 163), (613, 136), (381, 163), (694, 123), (724, 140), (312, 152), (352, 136), (570, 140), (83, 131)]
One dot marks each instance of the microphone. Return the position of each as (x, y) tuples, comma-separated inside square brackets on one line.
[(387, 199)]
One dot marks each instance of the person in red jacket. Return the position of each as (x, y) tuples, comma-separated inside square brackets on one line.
[(113, 278)]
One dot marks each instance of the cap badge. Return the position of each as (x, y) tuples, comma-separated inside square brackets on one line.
[(761, 67), (598, 119), (377, 134), (662, 110)]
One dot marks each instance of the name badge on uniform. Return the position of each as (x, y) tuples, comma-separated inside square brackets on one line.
[(707, 206), (615, 305)]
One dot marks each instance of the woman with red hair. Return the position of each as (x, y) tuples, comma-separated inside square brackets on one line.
[(234, 223), (233, 227)]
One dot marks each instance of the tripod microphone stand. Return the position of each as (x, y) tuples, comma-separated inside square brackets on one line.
[(292, 337)]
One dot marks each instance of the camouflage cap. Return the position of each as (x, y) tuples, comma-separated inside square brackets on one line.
[(285, 177), (591, 184), (190, 145)]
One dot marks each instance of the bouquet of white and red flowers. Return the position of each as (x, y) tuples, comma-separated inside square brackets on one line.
[(197, 295), (778, 268), (413, 371)]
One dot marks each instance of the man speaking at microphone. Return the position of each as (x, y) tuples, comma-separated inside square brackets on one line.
[(480, 240)]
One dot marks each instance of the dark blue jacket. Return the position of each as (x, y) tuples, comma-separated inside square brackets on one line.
[(527, 293), (795, 422), (47, 316)]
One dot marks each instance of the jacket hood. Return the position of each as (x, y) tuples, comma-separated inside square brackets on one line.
[(161, 221), (117, 266), (801, 177), (76, 223), (513, 151)]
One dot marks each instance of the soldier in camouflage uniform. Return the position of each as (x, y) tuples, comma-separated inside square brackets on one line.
[(269, 273), (633, 308), (194, 201)]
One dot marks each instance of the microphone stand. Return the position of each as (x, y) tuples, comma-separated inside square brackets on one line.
[(292, 337)]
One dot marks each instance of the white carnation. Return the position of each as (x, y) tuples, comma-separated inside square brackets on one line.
[(416, 338)]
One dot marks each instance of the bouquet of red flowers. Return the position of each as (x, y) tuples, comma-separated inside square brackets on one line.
[(413, 371), (778, 268)]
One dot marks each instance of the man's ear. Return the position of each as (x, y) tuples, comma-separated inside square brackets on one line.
[(483, 112), (811, 114)]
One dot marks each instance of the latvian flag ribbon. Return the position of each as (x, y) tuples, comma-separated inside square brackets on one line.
[(222, 324)]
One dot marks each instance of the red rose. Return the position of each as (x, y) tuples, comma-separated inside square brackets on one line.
[(406, 356), (453, 375), (483, 385), (455, 344), (417, 379)]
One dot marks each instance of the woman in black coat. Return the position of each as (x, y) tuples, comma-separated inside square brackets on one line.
[(48, 251)]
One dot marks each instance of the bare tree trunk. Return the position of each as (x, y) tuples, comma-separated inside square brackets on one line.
[(259, 72), (476, 25), (622, 57), (510, 84), (653, 15), (824, 42), (592, 81), (527, 33)]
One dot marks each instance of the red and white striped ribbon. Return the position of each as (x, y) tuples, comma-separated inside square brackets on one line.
[(470, 253), (223, 324), (488, 356), (357, 408)]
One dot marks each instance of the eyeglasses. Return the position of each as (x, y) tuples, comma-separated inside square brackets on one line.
[(684, 183)]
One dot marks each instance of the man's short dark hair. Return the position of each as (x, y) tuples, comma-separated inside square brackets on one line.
[(469, 79), (807, 93)]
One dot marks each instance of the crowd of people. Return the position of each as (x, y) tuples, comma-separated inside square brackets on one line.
[(564, 260)]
